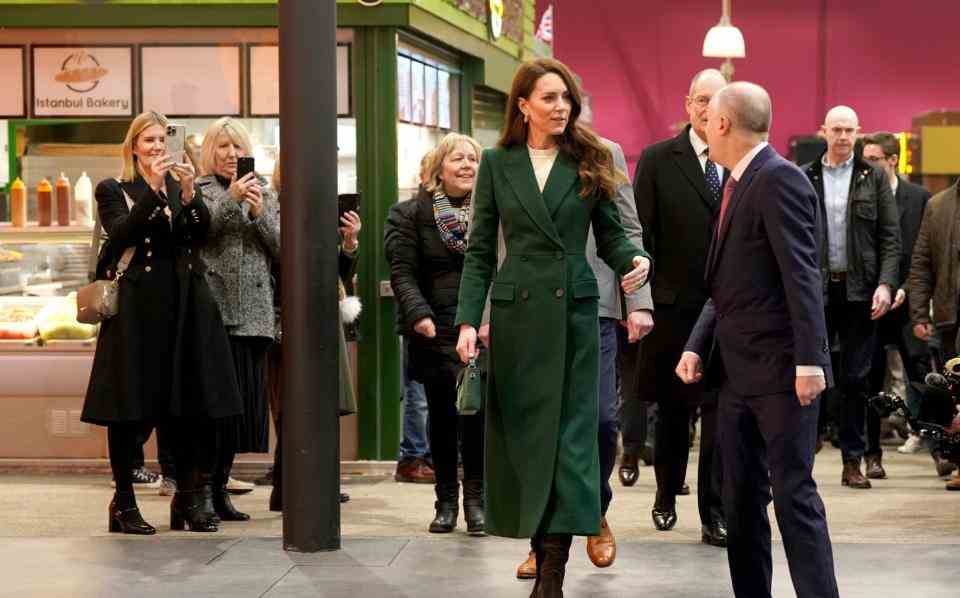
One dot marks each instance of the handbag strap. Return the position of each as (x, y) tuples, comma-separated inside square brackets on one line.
[(128, 253)]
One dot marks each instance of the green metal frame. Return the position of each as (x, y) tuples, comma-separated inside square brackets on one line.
[(375, 86)]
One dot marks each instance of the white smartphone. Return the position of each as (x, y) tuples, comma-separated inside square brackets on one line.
[(177, 142)]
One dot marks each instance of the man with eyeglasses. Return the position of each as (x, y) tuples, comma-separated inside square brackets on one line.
[(883, 149), (859, 234), (678, 191)]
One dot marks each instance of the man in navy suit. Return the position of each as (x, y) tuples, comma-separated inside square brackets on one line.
[(765, 338)]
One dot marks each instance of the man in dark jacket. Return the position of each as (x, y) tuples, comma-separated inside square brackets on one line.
[(883, 150), (677, 188), (860, 256)]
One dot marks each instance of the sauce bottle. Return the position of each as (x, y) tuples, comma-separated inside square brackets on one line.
[(44, 203), (64, 208), (18, 203), (83, 201)]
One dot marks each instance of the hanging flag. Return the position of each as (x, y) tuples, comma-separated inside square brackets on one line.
[(545, 30)]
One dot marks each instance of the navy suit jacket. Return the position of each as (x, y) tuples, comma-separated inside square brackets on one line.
[(765, 314)]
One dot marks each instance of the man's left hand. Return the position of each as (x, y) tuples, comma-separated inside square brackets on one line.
[(639, 324), (881, 302), (899, 299), (809, 388)]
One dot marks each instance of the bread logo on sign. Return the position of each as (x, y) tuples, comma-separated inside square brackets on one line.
[(495, 17), (81, 72)]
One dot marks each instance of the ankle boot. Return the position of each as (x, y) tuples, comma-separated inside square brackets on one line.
[(186, 510), (205, 487), (124, 516), (224, 506), (473, 507), (556, 551), (448, 508)]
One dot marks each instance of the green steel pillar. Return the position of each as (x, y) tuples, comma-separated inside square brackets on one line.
[(378, 363)]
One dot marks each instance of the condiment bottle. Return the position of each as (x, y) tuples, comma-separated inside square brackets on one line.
[(44, 203), (18, 203), (83, 201), (63, 200)]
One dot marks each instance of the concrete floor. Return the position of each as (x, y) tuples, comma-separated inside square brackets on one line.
[(902, 538)]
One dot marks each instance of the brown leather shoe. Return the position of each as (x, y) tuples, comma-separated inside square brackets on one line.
[(602, 549), (528, 568), (852, 476), (874, 467), (629, 469), (954, 483), (414, 471), (944, 467)]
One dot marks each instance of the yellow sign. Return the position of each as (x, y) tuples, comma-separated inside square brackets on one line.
[(495, 17)]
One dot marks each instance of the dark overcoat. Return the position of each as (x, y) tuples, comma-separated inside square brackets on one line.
[(166, 352), (541, 457), (677, 211)]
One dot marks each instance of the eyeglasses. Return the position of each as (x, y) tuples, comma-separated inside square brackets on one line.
[(700, 101)]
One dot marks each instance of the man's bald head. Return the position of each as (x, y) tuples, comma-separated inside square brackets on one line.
[(748, 107), (841, 113), (840, 128), (711, 77)]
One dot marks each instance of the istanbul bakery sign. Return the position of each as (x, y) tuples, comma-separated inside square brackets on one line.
[(82, 81)]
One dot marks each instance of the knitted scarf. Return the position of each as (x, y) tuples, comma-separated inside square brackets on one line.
[(451, 222)]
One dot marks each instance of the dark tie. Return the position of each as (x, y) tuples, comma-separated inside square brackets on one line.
[(727, 194), (713, 180)]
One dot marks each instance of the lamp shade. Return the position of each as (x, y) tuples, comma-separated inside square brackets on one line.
[(724, 41)]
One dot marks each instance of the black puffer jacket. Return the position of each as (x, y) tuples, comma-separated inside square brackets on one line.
[(424, 274)]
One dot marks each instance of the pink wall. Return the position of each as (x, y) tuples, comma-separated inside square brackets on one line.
[(890, 60)]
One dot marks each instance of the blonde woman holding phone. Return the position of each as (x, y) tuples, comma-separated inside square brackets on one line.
[(160, 359)]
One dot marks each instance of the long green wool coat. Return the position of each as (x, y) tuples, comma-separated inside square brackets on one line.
[(542, 465)]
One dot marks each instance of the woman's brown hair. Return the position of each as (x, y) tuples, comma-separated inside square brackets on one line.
[(578, 143)]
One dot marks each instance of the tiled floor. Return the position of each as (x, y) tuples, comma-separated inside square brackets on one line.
[(900, 539)]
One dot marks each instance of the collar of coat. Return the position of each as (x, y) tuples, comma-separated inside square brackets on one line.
[(563, 176), (139, 187), (861, 168)]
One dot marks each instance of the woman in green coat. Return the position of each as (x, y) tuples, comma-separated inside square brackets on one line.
[(547, 182)]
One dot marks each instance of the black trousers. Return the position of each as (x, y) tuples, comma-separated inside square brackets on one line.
[(637, 417), (447, 429), (895, 329), (192, 443), (853, 337), (164, 451), (768, 447), (672, 452)]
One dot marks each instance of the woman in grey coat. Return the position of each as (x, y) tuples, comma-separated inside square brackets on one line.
[(243, 242)]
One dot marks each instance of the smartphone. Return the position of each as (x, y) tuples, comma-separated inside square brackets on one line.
[(245, 166), (347, 202), (177, 142)]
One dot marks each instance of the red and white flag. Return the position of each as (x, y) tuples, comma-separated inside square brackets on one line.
[(545, 30)]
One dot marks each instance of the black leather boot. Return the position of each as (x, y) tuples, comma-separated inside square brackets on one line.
[(556, 551), (448, 508), (125, 517), (473, 507), (224, 506), (186, 511), (205, 487)]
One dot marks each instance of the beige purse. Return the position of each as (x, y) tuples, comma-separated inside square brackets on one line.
[(100, 300)]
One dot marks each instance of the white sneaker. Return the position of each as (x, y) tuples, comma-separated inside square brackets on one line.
[(168, 487), (238, 486), (914, 444)]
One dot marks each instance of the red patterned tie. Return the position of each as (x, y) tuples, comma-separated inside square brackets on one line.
[(727, 194)]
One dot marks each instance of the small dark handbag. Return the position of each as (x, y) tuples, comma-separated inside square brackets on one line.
[(470, 388)]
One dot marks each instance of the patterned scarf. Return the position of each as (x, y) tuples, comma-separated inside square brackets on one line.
[(451, 222)]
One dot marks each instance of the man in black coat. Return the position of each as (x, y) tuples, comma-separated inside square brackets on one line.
[(860, 262), (677, 189), (883, 150), (763, 330)]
